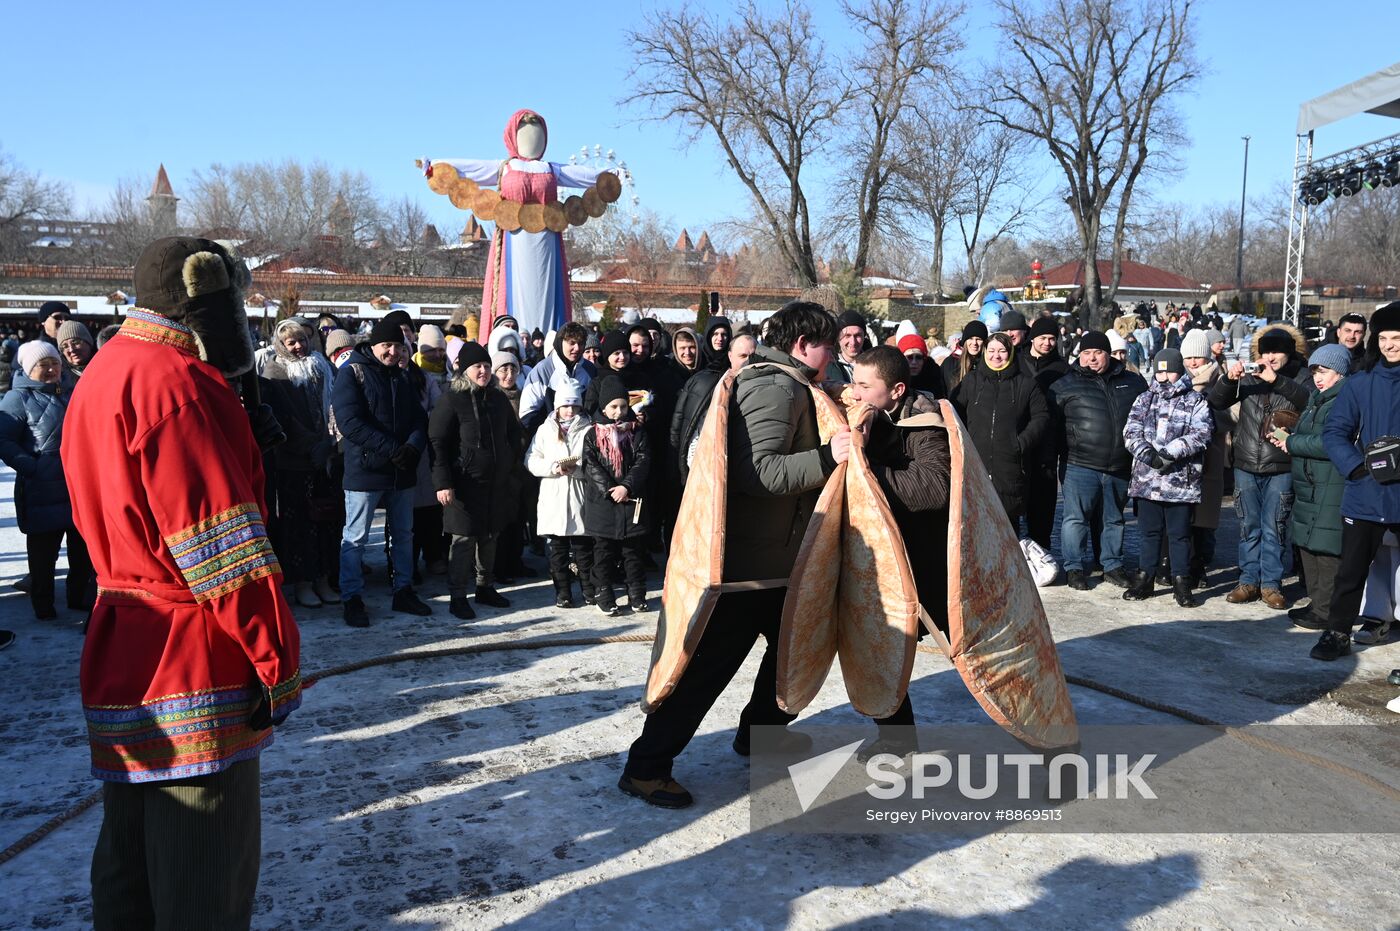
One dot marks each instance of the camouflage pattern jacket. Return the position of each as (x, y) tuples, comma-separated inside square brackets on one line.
[(1172, 419)]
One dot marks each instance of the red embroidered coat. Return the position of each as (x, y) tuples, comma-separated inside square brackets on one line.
[(191, 631)]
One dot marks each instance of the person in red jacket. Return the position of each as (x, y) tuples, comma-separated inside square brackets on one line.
[(192, 653)]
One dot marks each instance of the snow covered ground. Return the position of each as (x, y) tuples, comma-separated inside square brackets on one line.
[(478, 791)]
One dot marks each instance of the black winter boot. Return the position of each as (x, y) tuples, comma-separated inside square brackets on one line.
[(1164, 571), (461, 608), (1181, 588), (1141, 589)]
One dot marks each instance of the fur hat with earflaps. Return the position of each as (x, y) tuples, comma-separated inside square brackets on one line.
[(199, 283)]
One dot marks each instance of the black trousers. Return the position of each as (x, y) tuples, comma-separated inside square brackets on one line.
[(1156, 520), (563, 550), (1042, 488), (42, 550), (606, 553), (1320, 571), (902, 717), (1361, 540), (428, 539), (738, 620)]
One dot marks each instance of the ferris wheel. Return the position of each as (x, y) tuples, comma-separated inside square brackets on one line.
[(597, 157)]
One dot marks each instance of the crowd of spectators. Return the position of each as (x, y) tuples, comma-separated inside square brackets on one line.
[(574, 447)]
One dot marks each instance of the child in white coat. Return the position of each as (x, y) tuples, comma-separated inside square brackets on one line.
[(554, 457)]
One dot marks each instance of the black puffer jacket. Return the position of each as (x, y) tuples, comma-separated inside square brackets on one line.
[(476, 450), (1006, 414), (1257, 398), (691, 408), (1046, 370), (1094, 409), (602, 516)]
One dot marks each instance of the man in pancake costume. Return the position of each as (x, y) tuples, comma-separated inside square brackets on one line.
[(763, 457), (853, 591), (192, 654)]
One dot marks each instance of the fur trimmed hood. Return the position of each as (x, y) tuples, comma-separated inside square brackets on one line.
[(1300, 344)]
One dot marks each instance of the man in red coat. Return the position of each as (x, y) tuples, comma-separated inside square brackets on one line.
[(192, 653)]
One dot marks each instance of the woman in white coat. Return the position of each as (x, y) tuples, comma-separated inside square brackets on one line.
[(554, 458)]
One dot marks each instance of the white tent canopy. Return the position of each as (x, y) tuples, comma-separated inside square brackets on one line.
[(1377, 93)]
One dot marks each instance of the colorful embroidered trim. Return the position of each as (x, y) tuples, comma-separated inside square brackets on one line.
[(285, 697), (174, 738), (223, 553), (151, 327)]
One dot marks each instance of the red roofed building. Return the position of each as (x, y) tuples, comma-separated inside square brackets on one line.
[(1139, 281)]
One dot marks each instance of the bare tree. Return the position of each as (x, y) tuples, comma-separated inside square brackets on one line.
[(129, 225), (24, 196), (994, 196), (1092, 80), (284, 206), (401, 249), (763, 87), (929, 175), (908, 43)]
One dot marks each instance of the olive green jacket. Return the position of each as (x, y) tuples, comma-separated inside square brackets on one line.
[(777, 467)]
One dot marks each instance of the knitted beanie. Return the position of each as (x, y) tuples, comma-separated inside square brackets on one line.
[(1333, 356), (502, 357), (386, 331), (31, 352), (1093, 339), (913, 342), (472, 354), (1196, 345), (336, 340), (72, 329), (1168, 360), (429, 335)]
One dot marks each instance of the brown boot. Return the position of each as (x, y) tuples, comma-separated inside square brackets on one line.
[(1273, 598), (1243, 594)]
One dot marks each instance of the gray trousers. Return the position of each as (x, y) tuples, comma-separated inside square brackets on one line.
[(468, 557), (179, 854)]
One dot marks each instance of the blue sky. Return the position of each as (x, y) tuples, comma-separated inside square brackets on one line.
[(102, 91)]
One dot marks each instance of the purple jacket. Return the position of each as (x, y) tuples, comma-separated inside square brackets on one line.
[(1175, 420)]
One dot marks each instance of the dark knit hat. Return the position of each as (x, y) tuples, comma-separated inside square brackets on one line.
[(386, 331), (1277, 340), (399, 318), (613, 341), (1386, 318), (975, 329), (1012, 320), (1093, 339), (610, 389), (49, 308), (472, 354), (1168, 360), (1043, 326), (849, 318)]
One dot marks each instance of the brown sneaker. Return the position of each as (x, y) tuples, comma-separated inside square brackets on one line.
[(664, 793), (1243, 594), (1273, 598)]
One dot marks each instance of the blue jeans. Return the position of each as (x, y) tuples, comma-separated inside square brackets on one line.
[(359, 514), (1263, 504), (1086, 493)]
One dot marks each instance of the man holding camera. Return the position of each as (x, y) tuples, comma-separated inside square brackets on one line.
[(1270, 391), (1360, 436)]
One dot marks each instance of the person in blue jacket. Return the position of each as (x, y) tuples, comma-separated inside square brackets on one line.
[(31, 429), (1367, 409)]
